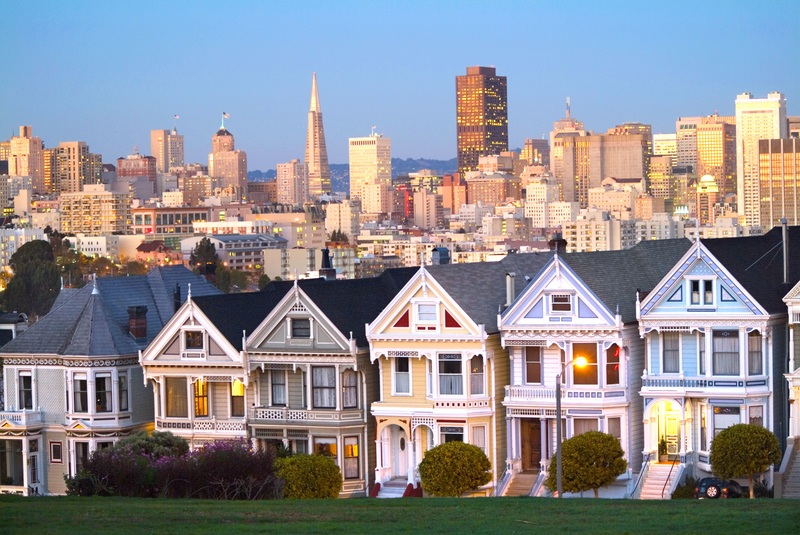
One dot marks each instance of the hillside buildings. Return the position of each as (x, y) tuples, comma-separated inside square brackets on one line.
[(26, 158), (95, 210)]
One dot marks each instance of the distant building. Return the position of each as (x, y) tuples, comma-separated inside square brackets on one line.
[(492, 189), (73, 167), (454, 192), (227, 165), (167, 148), (137, 165), (716, 154), (370, 164), (26, 158), (262, 192), (428, 210), (155, 252), (666, 145), (243, 252), (481, 116), (597, 231), (779, 173), (103, 246), (292, 182), (536, 152), (316, 159), (94, 211), (343, 216), (13, 239)]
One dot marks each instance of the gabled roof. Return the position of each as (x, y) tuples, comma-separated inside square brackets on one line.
[(94, 322), (349, 304), (757, 264), (147, 247)]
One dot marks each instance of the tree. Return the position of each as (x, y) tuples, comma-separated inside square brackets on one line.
[(589, 461), (204, 253), (744, 450), (452, 468), (263, 280), (36, 281)]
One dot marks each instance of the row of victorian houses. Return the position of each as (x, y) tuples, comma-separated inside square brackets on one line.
[(680, 339)]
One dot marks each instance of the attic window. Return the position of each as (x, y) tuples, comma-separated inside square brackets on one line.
[(426, 313), (194, 340), (561, 303), (301, 328)]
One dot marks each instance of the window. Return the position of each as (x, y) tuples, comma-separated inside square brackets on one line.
[(476, 376), (323, 382), (561, 303), (701, 353), (615, 427), (278, 387), (451, 434), (102, 391), (450, 381), (104, 445), (351, 457), (585, 375), (200, 398), (402, 384), (429, 369), (582, 425), (81, 456), (123, 391), (756, 415), (80, 394), (56, 453), (563, 364), (301, 328), (533, 365), (34, 468), (25, 391), (672, 352), (426, 313), (724, 417), (612, 365), (327, 447), (349, 390), (479, 437), (754, 360), (702, 292), (726, 352), (703, 429), (194, 340), (237, 398), (176, 397)]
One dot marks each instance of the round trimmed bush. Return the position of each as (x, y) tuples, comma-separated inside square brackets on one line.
[(309, 476), (452, 468), (744, 450), (589, 461)]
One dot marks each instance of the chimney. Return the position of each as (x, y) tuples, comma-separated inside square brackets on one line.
[(510, 288), (176, 298), (326, 271), (137, 321), (785, 226)]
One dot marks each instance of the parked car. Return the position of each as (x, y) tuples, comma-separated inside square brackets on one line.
[(713, 488)]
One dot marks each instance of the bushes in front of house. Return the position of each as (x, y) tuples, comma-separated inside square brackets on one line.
[(452, 468), (161, 466), (309, 477)]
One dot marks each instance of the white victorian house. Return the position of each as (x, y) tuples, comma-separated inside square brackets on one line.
[(579, 305), (715, 332)]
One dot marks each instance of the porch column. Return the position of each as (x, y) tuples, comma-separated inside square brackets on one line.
[(514, 435), (410, 455), (254, 444), (340, 451), (543, 434), (309, 391), (682, 450), (162, 389), (742, 352), (25, 478), (791, 348), (378, 459)]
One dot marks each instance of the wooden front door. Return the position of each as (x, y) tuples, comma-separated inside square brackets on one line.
[(531, 442)]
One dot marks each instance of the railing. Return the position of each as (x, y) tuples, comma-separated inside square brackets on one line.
[(721, 381), (532, 393), (664, 488), (537, 486), (505, 477), (20, 490), (384, 474), (279, 414), (203, 424), (642, 476), (22, 418)]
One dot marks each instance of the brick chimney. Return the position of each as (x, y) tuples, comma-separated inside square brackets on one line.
[(137, 321)]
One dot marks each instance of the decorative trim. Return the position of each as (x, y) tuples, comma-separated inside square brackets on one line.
[(715, 401), (86, 362)]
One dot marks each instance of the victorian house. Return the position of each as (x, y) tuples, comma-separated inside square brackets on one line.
[(578, 305), (287, 367), (72, 381), (716, 338)]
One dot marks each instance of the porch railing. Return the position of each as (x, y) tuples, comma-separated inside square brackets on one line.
[(236, 425), (279, 414), (22, 418)]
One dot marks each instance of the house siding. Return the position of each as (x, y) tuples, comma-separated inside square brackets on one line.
[(655, 353), (778, 358), (635, 365), (53, 473), (50, 394), (141, 396), (218, 392), (500, 368), (689, 353)]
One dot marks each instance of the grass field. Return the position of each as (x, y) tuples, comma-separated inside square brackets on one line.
[(117, 516)]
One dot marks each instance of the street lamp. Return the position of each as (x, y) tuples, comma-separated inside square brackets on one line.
[(580, 362)]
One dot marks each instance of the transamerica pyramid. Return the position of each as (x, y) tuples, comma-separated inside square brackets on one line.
[(319, 174)]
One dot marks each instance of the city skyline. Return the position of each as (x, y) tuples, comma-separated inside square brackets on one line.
[(401, 84)]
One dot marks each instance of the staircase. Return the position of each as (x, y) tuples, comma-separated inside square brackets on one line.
[(791, 479), (657, 476), (394, 488), (521, 484)]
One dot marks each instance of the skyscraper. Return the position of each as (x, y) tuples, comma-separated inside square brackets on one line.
[(686, 141), (319, 174), (26, 158), (481, 116), (666, 145), (370, 163), (536, 152), (74, 167), (779, 174), (562, 132), (292, 182), (227, 165), (167, 148), (756, 118), (716, 154)]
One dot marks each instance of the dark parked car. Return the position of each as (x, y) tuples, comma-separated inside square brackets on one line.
[(712, 488)]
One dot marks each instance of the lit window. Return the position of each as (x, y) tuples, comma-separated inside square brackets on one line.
[(237, 398)]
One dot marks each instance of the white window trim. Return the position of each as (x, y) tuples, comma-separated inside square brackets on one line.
[(485, 436), (103, 375), (680, 353), (194, 353), (60, 459), (410, 379), (20, 374), (572, 303), (525, 365), (714, 292), (416, 306), (464, 375)]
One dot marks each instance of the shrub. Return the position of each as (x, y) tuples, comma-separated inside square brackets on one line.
[(452, 468), (159, 444), (309, 476), (589, 461), (744, 450), (686, 490), (762, 488)]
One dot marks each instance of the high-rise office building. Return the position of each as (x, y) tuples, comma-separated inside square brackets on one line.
[(26, 158), (706, 196), (96, 210), (779, 174), (50, 165), (756, 119), (370, 163), (74, 167), (167, 148), (666, 145), (138, 165), (716, 154), (563, 132), (536, 152), (686, 140), (227, 165), (659, 176), (292, 182), (319, 173), (481, 116)]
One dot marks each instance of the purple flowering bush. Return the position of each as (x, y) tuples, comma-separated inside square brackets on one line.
[(163, 467)]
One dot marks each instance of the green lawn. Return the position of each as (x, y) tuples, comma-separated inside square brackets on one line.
[(116, 516)]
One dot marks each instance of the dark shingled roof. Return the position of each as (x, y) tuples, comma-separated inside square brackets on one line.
[(757, 263), (85, 322), (349, 304), (223, 132)]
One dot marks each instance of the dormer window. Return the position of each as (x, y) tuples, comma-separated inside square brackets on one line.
[(301, 328), (194, 344), (701, 292), (426, 313), (561, 304), (194, 340)]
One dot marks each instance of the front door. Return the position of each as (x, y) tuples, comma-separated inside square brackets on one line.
[(531, 442), (673, 435), (400, 452)]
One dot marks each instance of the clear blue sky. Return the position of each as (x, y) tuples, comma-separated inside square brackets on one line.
[(108, 72)]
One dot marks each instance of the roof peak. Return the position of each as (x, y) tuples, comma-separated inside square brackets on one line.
[(315, 107)]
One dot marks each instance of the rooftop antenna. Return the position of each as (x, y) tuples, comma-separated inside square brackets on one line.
[(569, 114)]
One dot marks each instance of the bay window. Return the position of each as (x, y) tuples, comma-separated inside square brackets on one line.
[(612, 365), (476, 376), (25, 391), (278, 387), (177, 406), (701, 353), (585, 375), (350, 390), (582, 425), (725, 352), (323, 384), (754, 361), (123, 391), (450, 375), (402, 384), (102, 390), (351, 458), (672, 352), (237, 398), (533, 365), (451, 434), (200, 398), (80, 393)]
